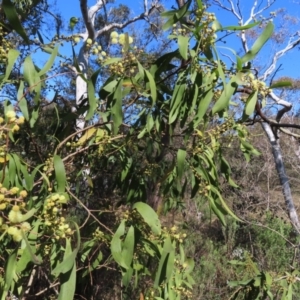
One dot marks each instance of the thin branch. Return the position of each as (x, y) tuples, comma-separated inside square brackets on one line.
[(277, 55), (88, 211), (142, 16), (89, 16)]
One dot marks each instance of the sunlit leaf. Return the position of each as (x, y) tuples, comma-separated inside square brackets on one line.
[(60, 173), (13, 18), (258, 44), (183, 43), (149, 216)]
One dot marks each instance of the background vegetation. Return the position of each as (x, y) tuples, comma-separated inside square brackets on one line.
[(145, 164)]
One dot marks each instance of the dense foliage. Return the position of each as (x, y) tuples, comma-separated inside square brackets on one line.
[(85, 211)]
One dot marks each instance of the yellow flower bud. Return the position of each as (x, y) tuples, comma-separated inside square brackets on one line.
[(21, 120), (10, 114), (15, 128), (114, 34), (14, 190), (17, 237), (23, 194), (25, 226), (114, 41)]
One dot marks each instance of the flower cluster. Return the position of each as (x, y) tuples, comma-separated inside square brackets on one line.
[(52, 215), (120, 38), (5, 45), (10, 123), (15, 225)]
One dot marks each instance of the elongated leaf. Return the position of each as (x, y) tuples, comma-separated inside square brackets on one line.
[(281, 84), (244, 27), (116, 109), (69, 257), (29, 214), (49, 63), (11, 59), (223, 102), (128, 247), (32, 77), (68, 284), (29, 71), (149, 216), (12, 170), (88, 134), (31, 251), (251, 102), (112, 61), (116, 245), (170, 265), (224, 204), (23, 261), (23, 107), (217, 211), (66, 265), (183, 44), (162, 266), (177, 100), (60, 173), (181, 154), (10, 270), (110, 86), (13, 19), (262, 39), (152, 87), (92, 101), (202, 107), (91, 95)]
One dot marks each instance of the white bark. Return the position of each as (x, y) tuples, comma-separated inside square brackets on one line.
[(234, 8), (89, 15), (283, 178)]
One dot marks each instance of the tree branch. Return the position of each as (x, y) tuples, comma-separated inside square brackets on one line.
[(89, 16), (142, 16), (277, 55)]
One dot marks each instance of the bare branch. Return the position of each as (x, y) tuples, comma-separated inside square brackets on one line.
[(89, 16), (239, 16), (218, 2), (280, 101), (253, 14), (290, 46), (142, 16)]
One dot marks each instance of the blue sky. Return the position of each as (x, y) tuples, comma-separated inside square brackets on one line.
[(290, 63)]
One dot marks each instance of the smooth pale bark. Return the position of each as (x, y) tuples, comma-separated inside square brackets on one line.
[(284, 180), (89, 15)]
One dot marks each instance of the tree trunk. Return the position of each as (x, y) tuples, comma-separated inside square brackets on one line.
[(284, 180)]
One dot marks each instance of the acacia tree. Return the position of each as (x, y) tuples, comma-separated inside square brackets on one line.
[(270, 126), (79, 243)]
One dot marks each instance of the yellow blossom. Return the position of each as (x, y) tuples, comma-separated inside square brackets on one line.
[(10, 114), (114, 34), (21, 120), (23, 194), (15, 128)]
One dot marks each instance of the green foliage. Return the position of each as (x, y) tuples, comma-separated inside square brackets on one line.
[(83, 204)]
